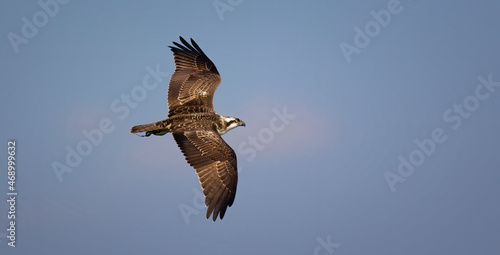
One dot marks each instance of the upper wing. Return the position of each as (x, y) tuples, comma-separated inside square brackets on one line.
[(194, 81), (215, 164)]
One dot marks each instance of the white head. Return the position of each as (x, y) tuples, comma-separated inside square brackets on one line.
[(229, 123)]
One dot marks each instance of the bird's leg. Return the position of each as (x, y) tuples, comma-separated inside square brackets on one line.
[(157, 132)]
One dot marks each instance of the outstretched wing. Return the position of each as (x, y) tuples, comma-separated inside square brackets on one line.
[(194, 81), (215, 164)]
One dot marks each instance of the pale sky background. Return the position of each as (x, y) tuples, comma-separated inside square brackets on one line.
[(315, 178)]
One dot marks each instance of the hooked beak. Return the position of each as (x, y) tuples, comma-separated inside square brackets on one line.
[(242, 123)]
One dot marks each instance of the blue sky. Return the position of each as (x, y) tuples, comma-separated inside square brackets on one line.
[(372, 126)]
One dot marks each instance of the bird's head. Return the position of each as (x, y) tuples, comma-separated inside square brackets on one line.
[(230, 123)]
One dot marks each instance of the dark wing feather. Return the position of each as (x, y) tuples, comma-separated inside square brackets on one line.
[(194, 81), (215, 163)]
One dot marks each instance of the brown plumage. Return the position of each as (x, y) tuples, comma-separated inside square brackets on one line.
[(196, 127)]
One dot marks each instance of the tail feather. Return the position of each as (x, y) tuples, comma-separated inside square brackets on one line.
[(156, 128), (143, 128)]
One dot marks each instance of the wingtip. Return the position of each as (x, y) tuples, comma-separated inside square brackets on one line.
[(210, 214), (175, 43), (214, 215), (183, 41)]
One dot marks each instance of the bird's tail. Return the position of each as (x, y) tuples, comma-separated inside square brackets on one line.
[(156, 128), (143, 128)]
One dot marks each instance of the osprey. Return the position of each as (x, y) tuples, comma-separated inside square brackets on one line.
[(196, 127)]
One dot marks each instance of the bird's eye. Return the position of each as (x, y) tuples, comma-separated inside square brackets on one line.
[(236, 120)]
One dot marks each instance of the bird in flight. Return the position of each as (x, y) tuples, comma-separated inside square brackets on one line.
[(196, 127)]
